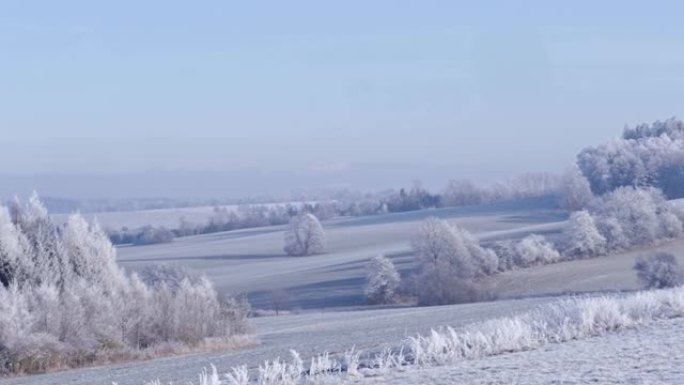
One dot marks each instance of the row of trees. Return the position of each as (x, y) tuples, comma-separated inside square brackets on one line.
[(624, 218), (463, 192), (646, 155), (450, 260), (64, 301)]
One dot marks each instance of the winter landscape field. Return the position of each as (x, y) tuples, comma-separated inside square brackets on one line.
[(325, 309), (334, 193)]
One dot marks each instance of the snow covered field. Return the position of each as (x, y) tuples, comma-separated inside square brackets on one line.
[(252, 260)]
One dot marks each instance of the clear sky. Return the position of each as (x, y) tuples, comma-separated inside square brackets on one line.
[(478, 91)]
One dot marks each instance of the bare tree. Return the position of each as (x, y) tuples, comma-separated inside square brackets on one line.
[(280, 300)]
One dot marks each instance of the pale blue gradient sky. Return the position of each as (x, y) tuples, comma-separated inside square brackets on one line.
[(481, 91)]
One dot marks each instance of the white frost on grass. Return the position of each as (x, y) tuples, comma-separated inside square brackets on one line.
[(570, 319)]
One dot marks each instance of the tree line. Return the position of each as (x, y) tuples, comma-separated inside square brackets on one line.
[(64, 301)]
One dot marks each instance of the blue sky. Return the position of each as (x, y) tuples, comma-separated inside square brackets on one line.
[(481, 91)]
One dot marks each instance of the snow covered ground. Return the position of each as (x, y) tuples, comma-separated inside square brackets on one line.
[(648, 355)]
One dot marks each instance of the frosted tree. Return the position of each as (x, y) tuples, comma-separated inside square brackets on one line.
[(16, 319), (50, 261), (635, 210), (448, 259), (91, 253), (647, 155), (583, 237), (643, 214), (461, 193), (163, 320), (47, 309), (15, 260), (64, 301), (575, 191), (438, 245), (137, 311), (196, 310), (304, 236), (382, 280)]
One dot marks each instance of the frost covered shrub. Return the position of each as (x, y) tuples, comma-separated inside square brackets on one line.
[(449, 258), (505, 251), (304, 236), (382, 280), (611, 229), (529, 251), (65, 302), (643, 216), (150, 235), (639, 212), (659, 271), (535, 250)]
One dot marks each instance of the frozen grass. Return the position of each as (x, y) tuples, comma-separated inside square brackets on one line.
[(570, 319)]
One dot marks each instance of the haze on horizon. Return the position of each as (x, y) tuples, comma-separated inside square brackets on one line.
[(220, 98)]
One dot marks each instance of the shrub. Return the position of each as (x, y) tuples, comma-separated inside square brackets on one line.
[(153, 235), (659, 271), (535, 250)]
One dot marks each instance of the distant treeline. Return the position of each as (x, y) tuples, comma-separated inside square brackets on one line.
[(457, 193), (645, 156)]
